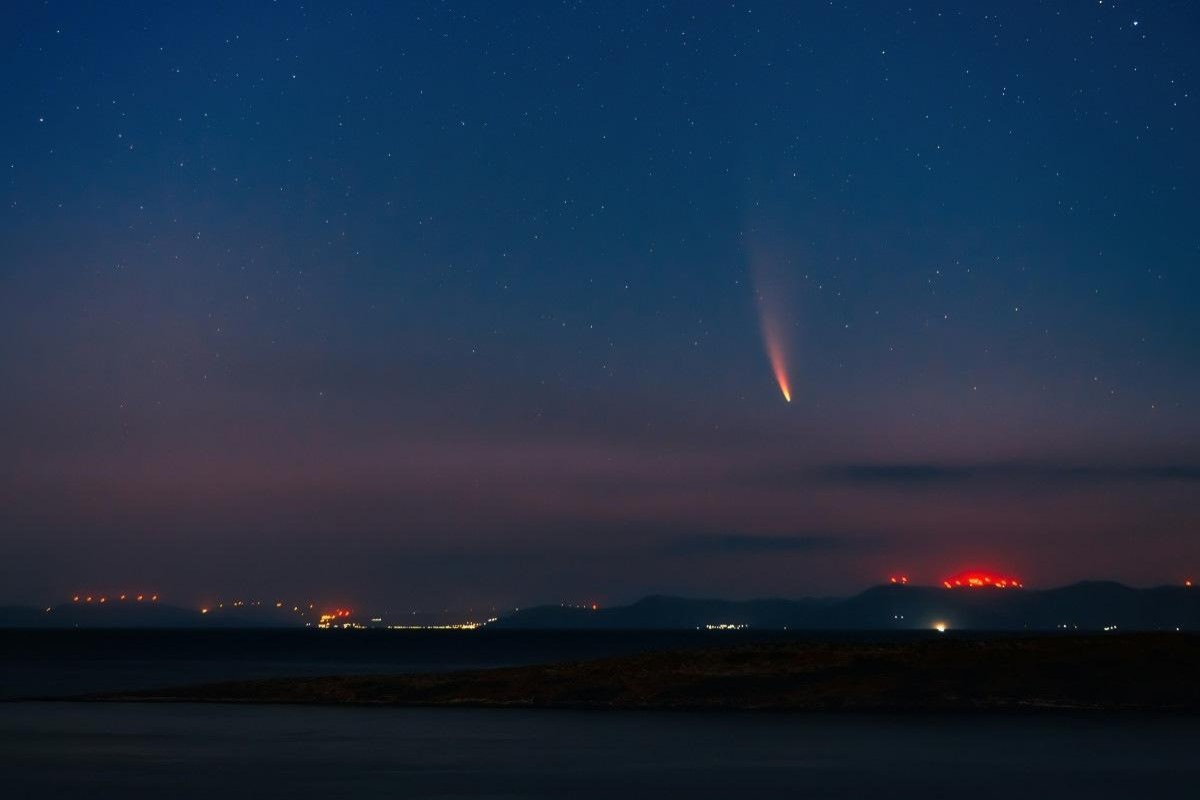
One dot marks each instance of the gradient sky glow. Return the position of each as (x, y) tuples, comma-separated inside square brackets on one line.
[(454, 304)]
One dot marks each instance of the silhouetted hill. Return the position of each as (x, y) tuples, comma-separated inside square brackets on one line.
[(1088, 606), (1093, 605), (140, 615), (666, 613), (21, 617)]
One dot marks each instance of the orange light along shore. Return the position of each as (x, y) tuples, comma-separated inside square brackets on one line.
[(338, 618), (981, 580)]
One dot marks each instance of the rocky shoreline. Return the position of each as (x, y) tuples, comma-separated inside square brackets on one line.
[(1144, 672)]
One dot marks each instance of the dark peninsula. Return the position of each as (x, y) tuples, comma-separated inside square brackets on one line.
[(1104, 673)]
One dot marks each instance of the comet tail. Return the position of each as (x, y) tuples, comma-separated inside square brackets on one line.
[(774, 344)]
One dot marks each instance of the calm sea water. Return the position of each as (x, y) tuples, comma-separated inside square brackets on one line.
[(94, 750), (60, 750)]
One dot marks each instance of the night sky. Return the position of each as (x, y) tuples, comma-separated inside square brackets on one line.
[(458, 304)]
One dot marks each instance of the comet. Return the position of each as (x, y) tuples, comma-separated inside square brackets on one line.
[(769, 289), (773, 342)]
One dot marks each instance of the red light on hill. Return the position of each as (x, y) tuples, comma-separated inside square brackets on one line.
[(981, 580), (899, 579)]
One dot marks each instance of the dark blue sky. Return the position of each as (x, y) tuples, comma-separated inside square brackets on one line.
[(458, 303)]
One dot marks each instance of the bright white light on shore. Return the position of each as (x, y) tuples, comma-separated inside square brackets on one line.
[(940, 627)]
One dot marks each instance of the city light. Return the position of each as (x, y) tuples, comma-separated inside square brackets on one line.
[(338, 618), (453, 626)]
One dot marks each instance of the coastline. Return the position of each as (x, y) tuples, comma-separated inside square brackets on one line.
[(1088, 674)]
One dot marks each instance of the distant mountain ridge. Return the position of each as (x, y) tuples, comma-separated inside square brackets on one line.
[(1087, 606), (140, 615)]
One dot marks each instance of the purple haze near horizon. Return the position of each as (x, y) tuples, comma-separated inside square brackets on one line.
[(427, 306)]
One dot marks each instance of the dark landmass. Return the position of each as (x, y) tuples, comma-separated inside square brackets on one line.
[(1088, 606), (130, 614), (21, 617), (1144, 672)]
